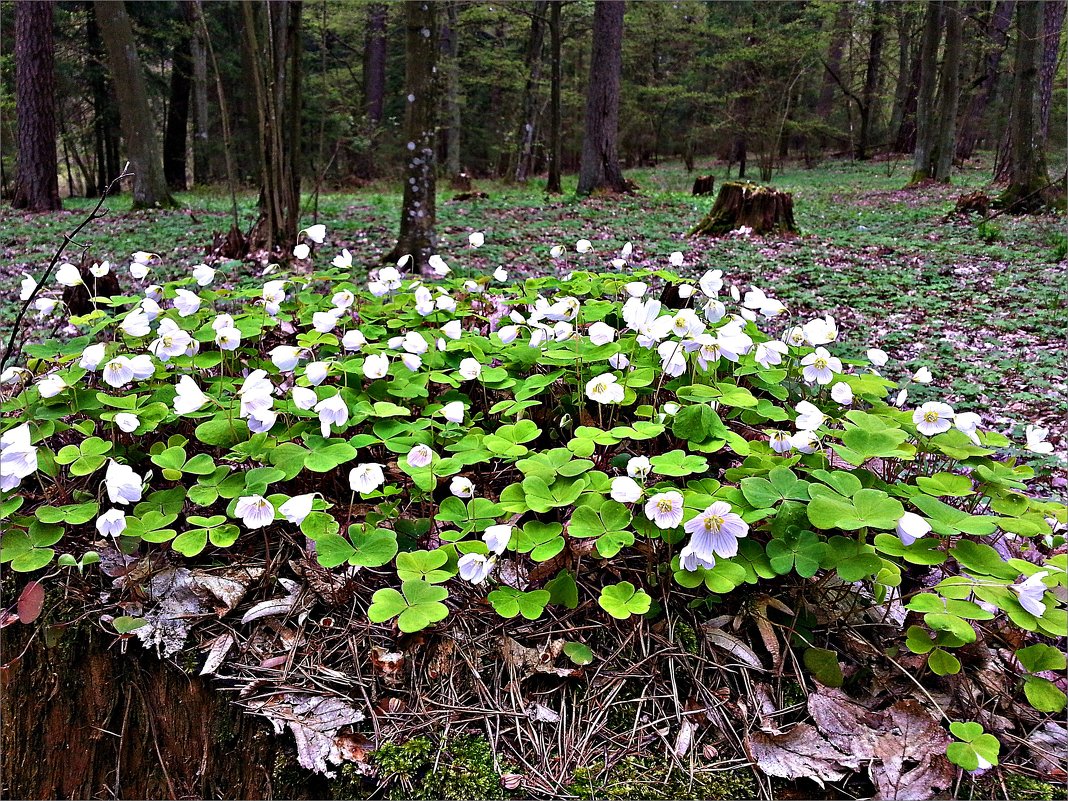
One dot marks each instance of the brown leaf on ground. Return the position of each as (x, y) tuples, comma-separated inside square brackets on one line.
[(801, 753), (910, 751)]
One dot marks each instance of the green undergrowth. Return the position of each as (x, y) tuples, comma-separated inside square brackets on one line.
[(650, 777)]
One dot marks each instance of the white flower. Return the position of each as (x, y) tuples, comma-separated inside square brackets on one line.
[(285, 357), (127, 421), (112, 523), (781, 442), (324, 322), (139, 270), (497, 538), (770, 353), (222, 321), (902, 396), (100, 270), (343, 299), (228, 339), (332, 411), (301, 251), (343, 261), (474, 567), (45, 306), (390, 277), (452, 329), (842, 393), (715, 532), (500, 274), (583, 246), (453, 411), (420, 456), (189, 398), (923, 376), (1036, 440), (118, 372), (639, 467), (376, 365), (820, 331), (470, 369), (809, 417), (142, 366), (686, 323), (686, 291), (415, 343), (477, 239), (618, 361), (556, 251), (13, 375), (933, 418), (672, 358), (274, 293), (1030, 592), (625, 489), (412, 361), (303, 398), (676, 259), (365, 478), (636, 289), (154, 292), (51, 385), (123, 483), (151, 308), (255, 511), (203, 274), (805, 441), (316, 233), (29, 284), (171, 341), (911, 527), (462, 487), (711, 283), (136, 323), (756, 300), (665, 509), (604, 389), (260, 421), (186, 302), (967, 423), (353, 340), (297, 508), (68, 275), (438, 266), (820, 366), (316, 372), (877, 356), (18, 457), (142, 257)]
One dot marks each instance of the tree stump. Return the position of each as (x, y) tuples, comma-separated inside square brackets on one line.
[(973, 203), (704, 185), (759, 208), (79, 298)]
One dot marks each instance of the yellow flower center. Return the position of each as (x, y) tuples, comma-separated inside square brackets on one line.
[(820, 364), (713, 523), (930, 417), (665, 505)]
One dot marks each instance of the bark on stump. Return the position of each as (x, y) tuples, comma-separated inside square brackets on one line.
[(704, 185), (760, 208)]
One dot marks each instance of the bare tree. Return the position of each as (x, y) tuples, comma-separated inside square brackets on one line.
[(450, 59), (599, 167), (176, 133), (552, 183), (985, 85), (138, 129), (926, 119), (37, 188), (528, 114), (1053, 23), (417, 237), (948, 95)]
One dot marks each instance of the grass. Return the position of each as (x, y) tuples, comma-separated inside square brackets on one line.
[(981, 306)]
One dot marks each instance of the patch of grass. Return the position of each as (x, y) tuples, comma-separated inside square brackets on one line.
[(658, 778)]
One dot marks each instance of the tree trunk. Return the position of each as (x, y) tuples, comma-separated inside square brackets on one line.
[(1027, 158), (175, 136), (833, 64), (599, 168), (949, 94), (417, 237), (905, 139), (871, 79), (760, 208), (1053, 22), (37, 185), (997, 36), (85, 720), (142, 141), (450, 50), (202, 173), (926, 117), (552, 184), (272, 40), (525, 135), (374, 63)]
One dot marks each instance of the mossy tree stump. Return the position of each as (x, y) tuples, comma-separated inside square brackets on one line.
[(704, 185), (739, 203)]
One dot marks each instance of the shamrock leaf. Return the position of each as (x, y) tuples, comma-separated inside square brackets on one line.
[(623, 600), (416, 606)]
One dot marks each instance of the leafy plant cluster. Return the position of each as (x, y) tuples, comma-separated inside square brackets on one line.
[(468, 440)]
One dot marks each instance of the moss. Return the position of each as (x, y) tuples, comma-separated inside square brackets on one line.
[(464, 768), (1027, 789), (686, 636), (658, 778)]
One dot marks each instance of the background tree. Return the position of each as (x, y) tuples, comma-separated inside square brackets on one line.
[(417, 237), (175, 135), (949, 94), (37, 187), (983, 90), (552, 182), (600, 156), (138, 127), (926, 113)]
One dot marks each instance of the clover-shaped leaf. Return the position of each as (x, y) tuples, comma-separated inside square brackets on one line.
[(424, 566), (416, 606), (510, 602), (578, 653), (797, 550), (974, 744), (623, 600)]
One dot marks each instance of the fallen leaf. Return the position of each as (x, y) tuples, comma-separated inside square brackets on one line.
[(217, 651), (31, 602), (733, 646), (800, 753)]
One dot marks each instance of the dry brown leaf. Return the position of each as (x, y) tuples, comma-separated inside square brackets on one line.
[(911, 762), (733, 646), (800, 753)]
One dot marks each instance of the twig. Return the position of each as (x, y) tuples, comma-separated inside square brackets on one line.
[(67, 239)]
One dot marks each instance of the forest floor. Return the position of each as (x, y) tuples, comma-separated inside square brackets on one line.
[(981, 305)]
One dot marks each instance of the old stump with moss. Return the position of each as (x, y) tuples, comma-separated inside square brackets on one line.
[(762, 209)]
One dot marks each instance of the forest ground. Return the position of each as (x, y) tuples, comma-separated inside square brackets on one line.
[(982, 306)]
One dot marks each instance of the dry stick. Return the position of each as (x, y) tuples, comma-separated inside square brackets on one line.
[(67, 239)]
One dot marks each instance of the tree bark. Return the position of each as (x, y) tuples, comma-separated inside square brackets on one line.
[(926, 118), (949, 94), (272, 40), (760, 208), (142, 141), (871, 78), (997, 36), (417, 237), (599, 168), (450, 50), (833, 64), (106, 125), (1053, 22), (552, 183), (525, 135), (1027, 159), (37, 186), (175, 134), (374, 63), (202, 173)]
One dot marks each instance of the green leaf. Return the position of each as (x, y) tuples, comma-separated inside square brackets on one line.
[(563, 590), (416, 606), (192, 542), (1043, 694), (798, 550), (781, 484), (943, 663), (823, 664), (947, 520), (124, 624), (222, 433), (423, 566), (510, 602), (1039, 657), (623, 600), (578, 653), (678, 463)]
